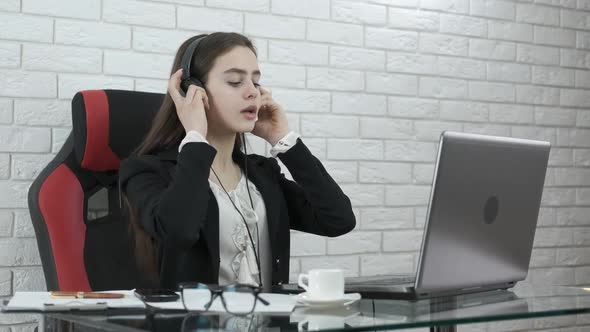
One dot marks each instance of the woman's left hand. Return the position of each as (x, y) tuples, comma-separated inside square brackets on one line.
[(272, 122)]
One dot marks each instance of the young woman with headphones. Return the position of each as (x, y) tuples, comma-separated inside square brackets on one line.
[(202, 209)]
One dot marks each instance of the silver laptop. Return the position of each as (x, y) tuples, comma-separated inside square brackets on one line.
[(481, 219)]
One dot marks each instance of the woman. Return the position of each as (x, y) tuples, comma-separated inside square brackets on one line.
[(203, 211)]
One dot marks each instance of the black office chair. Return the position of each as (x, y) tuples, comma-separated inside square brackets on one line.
[(79, 254)]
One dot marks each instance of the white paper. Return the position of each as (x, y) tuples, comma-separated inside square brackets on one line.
[(43, 301)]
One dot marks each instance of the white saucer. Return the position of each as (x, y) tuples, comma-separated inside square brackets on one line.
[(347, 299)]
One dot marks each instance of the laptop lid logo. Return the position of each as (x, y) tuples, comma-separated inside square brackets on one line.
[(490, 211)]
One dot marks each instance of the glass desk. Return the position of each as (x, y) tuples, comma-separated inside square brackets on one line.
[(444, 314)]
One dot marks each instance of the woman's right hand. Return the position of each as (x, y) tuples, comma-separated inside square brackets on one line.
[(190, 108)]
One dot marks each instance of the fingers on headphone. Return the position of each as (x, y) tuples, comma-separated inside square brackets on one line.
[(174, 85), (201, 96), (195, 95), (176, 78), (175, 94), (206, 101), (190, 93), (200, 90)]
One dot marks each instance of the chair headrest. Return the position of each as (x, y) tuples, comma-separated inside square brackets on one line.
[(109, 124)]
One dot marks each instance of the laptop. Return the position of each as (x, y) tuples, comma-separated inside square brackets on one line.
[(481, 219)]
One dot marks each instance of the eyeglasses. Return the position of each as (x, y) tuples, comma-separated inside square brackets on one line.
[(236, 299)]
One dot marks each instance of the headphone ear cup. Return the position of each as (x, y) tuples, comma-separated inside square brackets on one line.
[(184, 84)]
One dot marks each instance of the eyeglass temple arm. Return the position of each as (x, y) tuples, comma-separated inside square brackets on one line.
[(265, 302)]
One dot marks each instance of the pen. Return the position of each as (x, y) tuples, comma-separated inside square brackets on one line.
[(86, 295)]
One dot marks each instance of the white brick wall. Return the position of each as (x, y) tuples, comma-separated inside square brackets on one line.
[(369, 84)]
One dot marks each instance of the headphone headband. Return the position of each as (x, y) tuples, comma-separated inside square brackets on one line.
[(185, 64)]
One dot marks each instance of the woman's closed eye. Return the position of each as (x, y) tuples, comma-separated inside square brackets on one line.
[(236, 84)]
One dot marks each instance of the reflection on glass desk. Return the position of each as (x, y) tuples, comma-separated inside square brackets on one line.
[(443, 314)]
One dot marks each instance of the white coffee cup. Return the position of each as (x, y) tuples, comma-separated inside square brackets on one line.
[(323, 284)]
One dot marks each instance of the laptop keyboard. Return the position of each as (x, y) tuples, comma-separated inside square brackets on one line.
[(381, 280)]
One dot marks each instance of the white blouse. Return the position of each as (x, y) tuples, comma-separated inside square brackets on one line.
[(236, 253)]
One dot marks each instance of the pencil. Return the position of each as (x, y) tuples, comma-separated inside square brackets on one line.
[(86, 295)]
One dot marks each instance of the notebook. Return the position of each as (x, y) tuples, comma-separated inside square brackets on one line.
[(42, 301)]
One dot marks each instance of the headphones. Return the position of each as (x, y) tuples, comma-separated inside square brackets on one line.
[(187, 80)]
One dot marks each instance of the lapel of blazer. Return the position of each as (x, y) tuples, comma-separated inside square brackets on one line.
[(211, 227), (211, 231), (268, 189)]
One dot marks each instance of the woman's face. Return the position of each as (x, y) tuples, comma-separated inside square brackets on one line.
[(233, 91)]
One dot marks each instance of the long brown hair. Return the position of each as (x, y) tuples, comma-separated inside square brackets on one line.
[(167, 130)]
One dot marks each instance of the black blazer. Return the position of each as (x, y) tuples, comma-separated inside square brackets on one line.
[(178, 209)]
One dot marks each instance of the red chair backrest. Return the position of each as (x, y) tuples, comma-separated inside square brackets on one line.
[(77, 253)]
